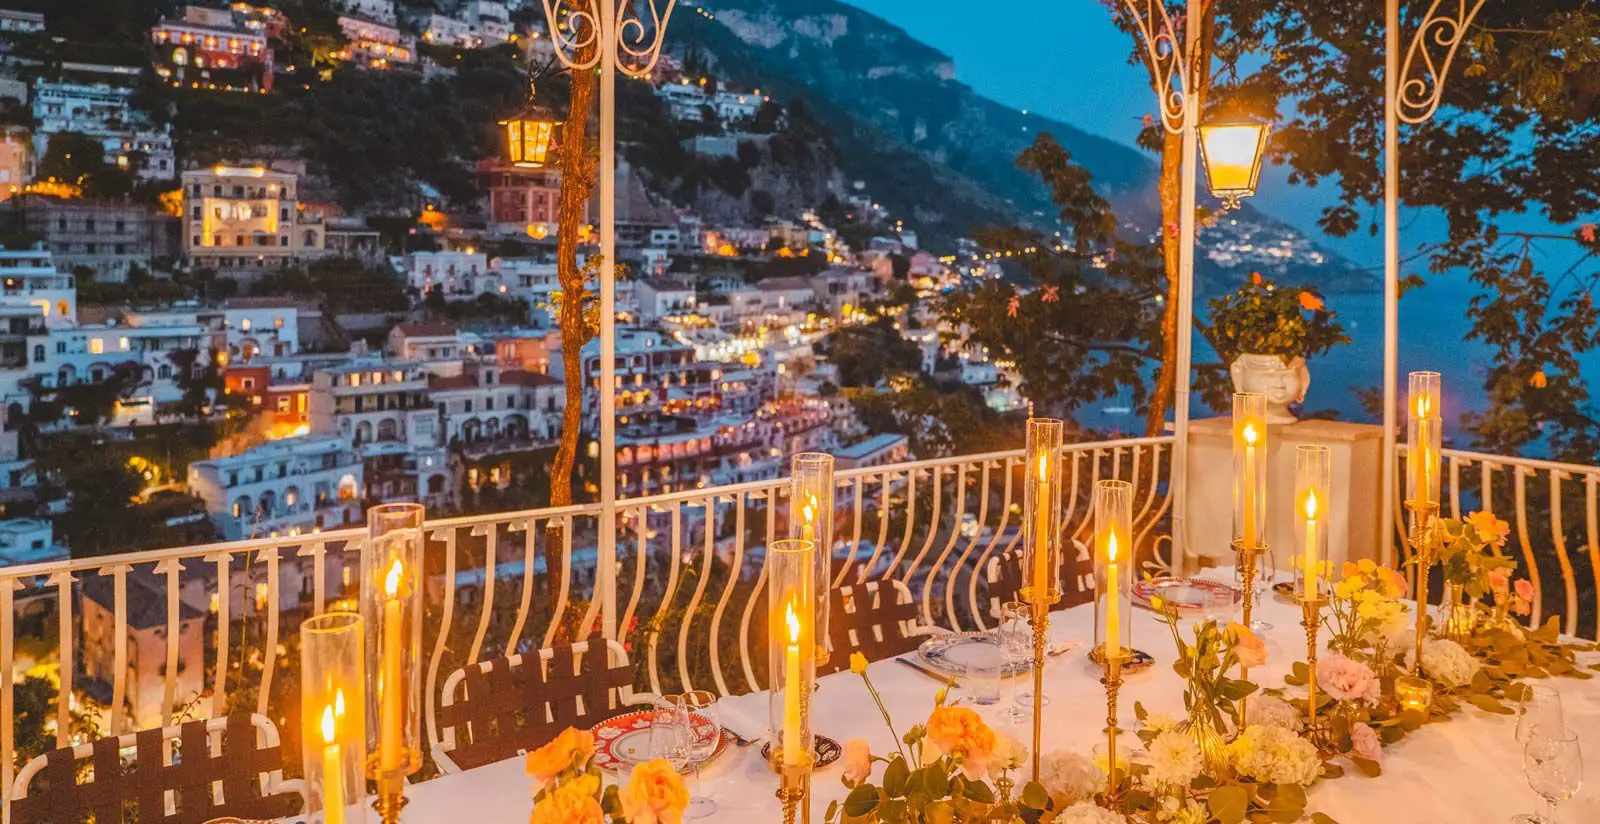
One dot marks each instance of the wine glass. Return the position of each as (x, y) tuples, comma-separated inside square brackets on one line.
[(669, 733), (1538, 706), (1016, 647), (1553, 763), (1266, 576), (705, 733)]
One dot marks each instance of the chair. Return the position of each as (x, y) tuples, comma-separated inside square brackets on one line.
[(877, 621), (503, 707), (182, 774), (1004, 575)]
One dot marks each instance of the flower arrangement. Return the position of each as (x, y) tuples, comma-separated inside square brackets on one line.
[(569, 790), (939, 773), (1365, 610), (1259, 318), (1209, 693), (1469, 551)]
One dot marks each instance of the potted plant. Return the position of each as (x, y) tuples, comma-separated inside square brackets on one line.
[(1265, 333)]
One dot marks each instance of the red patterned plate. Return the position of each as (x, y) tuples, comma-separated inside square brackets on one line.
[(623, 742), (1187, 595)]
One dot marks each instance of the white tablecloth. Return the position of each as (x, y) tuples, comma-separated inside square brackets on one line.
[(1467, 769)]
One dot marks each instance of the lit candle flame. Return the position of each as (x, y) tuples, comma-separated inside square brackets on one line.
[(329, 728), (1424, 405), (338, 703), (1044, 468), (793, 621), (1111, 548), (811, 509), (391, 582), (1311, 503), (1249, 434)]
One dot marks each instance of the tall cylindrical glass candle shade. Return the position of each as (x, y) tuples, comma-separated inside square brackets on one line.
[(1249, 470), (811, 519), (1313, 481), (1424, 428), (791, 622), (333, 699), (391, 607), (1041, 508), (1113, 567)]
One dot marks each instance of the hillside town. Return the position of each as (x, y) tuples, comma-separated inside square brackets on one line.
[(195, 308)]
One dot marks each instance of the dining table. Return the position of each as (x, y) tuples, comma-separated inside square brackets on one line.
[(1467, 768)]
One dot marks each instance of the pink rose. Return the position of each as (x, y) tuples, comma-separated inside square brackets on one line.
[(1499, 580), (1364, 742), (1252, 651), (857, 760), (1346, 679), (1524, 589)]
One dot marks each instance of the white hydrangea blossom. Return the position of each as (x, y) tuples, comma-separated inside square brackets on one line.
[(1448, 662), (1272, 711), (1274, 755), (1087, 812), (1071, 774)]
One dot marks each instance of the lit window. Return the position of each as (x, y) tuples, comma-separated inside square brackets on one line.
[(122, 343), (245, 324), (277, 323), (96, 346)]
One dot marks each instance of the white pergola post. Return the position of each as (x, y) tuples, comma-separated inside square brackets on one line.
[(1185, 330)]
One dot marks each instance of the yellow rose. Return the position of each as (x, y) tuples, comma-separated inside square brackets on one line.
[(572, 803), (655, 794), (858, 663), (1490, 528), (959, 731), (550, 760)]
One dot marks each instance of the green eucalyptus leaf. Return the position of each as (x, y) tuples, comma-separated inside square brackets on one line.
[(1228, 803), (1034, 796)]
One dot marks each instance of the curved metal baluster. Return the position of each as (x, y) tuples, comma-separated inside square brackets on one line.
[(855, 529), (1569, 578), (883, 525), (65, 634), (1171, 564), (1520, 473), (684, 629), (219, 692), (951, 584), (8, 711), (911, 522), (269, 651), (735, 566), (980, 568), (316, 552), (640, 566), (675, 562), (431, 696), (1486, 485), (1085, 526), (530, 535), (755, 596), (488, 532), (933, 534), (1069, 507), (1455, 486), (1402, 536)]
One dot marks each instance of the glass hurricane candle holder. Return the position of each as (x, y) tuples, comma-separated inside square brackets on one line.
[(1313, 481), (1414, 694), (1041, 508), (811, 519), (333, 699), (1424, 428), (391, 608), (1249, 469), (1113, 567), (791, 623)]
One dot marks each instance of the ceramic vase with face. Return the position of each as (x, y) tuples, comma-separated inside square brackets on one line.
[(1281, 381)]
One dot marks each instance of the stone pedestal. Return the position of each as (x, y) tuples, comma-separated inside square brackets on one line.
[(1354, 524)]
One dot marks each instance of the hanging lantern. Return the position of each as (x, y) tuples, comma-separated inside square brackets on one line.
[(531, 136), (1233, 149)]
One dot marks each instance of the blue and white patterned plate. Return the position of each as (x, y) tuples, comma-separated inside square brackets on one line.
[(951, 654)]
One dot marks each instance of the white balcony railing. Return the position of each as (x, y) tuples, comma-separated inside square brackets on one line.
[(688, 576)]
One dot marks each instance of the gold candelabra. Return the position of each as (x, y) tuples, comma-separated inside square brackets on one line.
[(391, 798), (1041, 601), (1311, 618), (1249, 556), (1113, 668), (1423, 514), (794, 789)]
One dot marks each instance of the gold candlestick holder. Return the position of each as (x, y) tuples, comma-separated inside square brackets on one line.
[(1423, 514), (1113, 667), (794, 789), (1041, 623), (1311, 618), (391, 798), (1249, 564)]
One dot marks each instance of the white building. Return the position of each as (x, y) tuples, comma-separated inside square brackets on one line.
[(375, 44), (104, 112), (24, 22), (285, 487), (246, 217), (379, 10), (497, 409), (28, 541), (877, 450), (144, 611), (29, 277), (374, 400), (72, 355), (251, 328), (457, 275), (664, 297), (532, 279), (780, 294)]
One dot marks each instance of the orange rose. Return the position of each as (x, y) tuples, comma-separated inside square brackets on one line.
[(572, 803), (1490, 528), (550, 760), (655, 794), (959, 731), (1252, 651), (1310, 302)]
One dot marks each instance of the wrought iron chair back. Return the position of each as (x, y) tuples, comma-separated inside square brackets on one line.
[(877, 619)]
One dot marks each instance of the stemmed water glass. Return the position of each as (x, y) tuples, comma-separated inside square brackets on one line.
[(670, 736), (705, 732), (1015, 634), (1553, 762), (1538, 706), (1266, 576)]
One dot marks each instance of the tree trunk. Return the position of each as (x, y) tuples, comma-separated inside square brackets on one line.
[(577, 184)]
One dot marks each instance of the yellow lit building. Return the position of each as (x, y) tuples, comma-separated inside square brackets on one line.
[(242, 217)]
